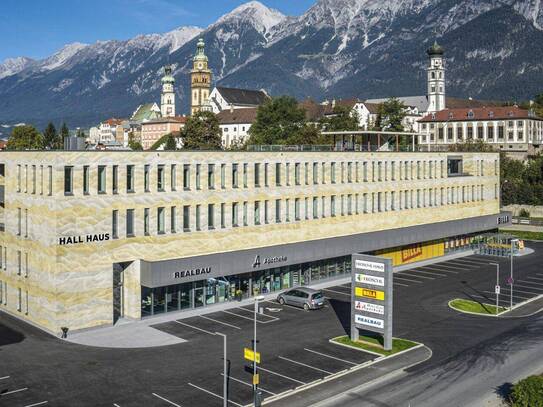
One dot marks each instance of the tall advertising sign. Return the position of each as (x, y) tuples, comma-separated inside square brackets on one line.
[(371, 297)]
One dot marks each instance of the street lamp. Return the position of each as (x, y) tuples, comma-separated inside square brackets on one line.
[(497, 288), (225, 373), (513, 243), (255, 373)]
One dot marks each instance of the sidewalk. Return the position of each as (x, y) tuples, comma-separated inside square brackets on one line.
[(530, 307)]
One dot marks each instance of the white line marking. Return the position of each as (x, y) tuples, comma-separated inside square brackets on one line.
[(5, 377), (13, 391), (250, 319), (528, 286), (516, 290), (213, 394), (531, 278), (41, 403), (530, 282), (116, 405), (331, 357), (281, 375), (466, 263), (166, 400), (429, 273), (337, 292), (539, 274), (406, 279), (252, 312), (219, 322), (303, 364), (443, 269), (414, 274), (514, 295), (284, 305), (403, 285), (193, 327), (250, 385)]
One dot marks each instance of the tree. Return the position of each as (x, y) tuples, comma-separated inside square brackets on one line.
[(309, 134), (471, 146), (25, 138), (278, 120), (528, 392), (390, 115), (342, 119), (202, 132), (133, 143), (51, 140), (64, 132)]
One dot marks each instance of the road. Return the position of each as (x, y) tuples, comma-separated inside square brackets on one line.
[(474, 378)]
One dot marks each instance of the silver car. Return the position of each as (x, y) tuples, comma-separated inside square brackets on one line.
[(306, 298)]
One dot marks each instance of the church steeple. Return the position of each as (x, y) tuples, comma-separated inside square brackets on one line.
[(436, 78), (167, 98), (200, 77)]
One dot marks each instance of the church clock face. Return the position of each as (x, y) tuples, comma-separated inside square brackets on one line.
[(200, 65)]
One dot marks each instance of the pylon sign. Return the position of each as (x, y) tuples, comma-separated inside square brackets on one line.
[(371, 296)]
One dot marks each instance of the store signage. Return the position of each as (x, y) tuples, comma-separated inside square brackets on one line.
[(368, 293), (368, 321), (369, 265), (502, 220), (268, 260), (249, 354), (373, 280), (369, 307), (192, 272), (66, 240), (411, 253)]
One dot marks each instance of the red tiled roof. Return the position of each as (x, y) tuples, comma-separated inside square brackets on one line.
[(237, 116), (175, 119), (482, 113), (113, 121)]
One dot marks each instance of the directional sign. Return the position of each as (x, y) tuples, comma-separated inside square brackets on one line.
[(497, 289), (249, 354), (366, 292)]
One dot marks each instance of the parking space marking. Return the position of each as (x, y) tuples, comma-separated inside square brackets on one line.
[(194, 327), (13, 391), (429, 273), (530, 277), (530, 282), (285, 305), (252, 312), (406, 279), (303, 364), (337, 292), (516, 290), (416, 276), (514, 295), (473, 260), (443, 269), (41, 403), (528, 286), (281, 375), (463, 264), (250, 319), (250, 385), (403, 285), (166, 400), (5, 377), (213, 394), (331, 357), (116, 405), (219, 322)]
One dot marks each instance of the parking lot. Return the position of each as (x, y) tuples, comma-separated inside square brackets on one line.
[(294, 344)]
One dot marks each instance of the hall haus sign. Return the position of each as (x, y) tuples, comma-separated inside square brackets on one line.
[(66, 240)]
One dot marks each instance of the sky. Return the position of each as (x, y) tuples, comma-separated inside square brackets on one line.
[(38, 28)]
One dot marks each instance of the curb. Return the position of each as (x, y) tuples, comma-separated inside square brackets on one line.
[(475, 313)]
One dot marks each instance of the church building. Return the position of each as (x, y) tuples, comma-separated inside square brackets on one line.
[(200, 80)]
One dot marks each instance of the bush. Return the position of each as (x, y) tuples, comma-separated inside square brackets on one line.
[(524, 213), (528, 392)]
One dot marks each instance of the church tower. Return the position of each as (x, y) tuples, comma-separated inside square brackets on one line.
[(167, 98), (436, 78), (200, 79)]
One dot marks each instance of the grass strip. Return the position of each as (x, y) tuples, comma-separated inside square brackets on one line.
[(475, 307), (375, 344)]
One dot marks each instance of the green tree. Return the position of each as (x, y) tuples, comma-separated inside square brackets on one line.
[(309, 134), (64, 132), (51, 138), (278, 120), (133, 143), (528, 392), (80, 132), (342, 119), (390, 115), (25, 138), (471, 146), (202, 132)]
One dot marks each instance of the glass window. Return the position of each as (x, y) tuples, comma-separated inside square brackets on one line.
[(198, 216), (68, 180), (186, 177), (257, 174), (223, 176), (257, 213), (315, 173), (266, 177), (278, 174), (160, 221), (173, 177), (146, 170), (186, 218), (333, 205), (86, 179), (297, 173), (173, 219), (211, 176), (235, 214), (115, 224), (245, 207), (349, 172), (297, 209), (130, 222), (235, 181), (223, 215), (129, 178), (210, 216), (101, 179), (160, 178), (315, 208), (198, 176), (306, 173), (277, 211), (146, 221), (245, 175)]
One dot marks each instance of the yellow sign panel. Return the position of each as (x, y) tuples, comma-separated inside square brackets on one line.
[(366, 292), (250, 355), (415, 252), (256, 379)]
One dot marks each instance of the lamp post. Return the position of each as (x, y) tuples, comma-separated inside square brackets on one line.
[(255, 372), (225, 373), (513, 243), (497, 289)]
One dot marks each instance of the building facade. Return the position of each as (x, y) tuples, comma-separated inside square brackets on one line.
[(507, 128), (167, 98), (436, 79), (235, 125), (200, 80), (91, 237), (225, 99), (153, 130)]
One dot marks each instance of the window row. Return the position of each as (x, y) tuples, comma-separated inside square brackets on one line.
[(29, 177), (22, 261), (22, 297)]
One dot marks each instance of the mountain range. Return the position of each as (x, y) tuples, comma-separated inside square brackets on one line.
[(338, 48)]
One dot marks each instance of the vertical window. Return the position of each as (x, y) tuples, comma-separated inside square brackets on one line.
[(245, 175), (86, 177), (257, 175), (349, 172), (297, 173), (235, 181), (115, 179), (68, 180), (257, 213), (129, 178), (223, 176), (266, 175), (287, 174), (26, 222), (365, 203), (19, 263), (211, 176), (349, 204), (198, 176), (198, 217), (306, 208), (19, 299), (26, 178), (323, 173), (223, 215), (333, 173), (365, 171), (146, 170), (210, 216), (278, 174), (266, 212), (33, 179), (186, 218), (342, 172), (18, 177), (306, 174), (173, 177), (160, 178), (287, 210), (235, 214), (373, 171), (315, 173), (186, 177), (297, 209), (393, 170), (333, 205), (315, 208), (50, 172), (160, 228), (115, 224), (173, 219), (101, 179), (19, 221), (244, 216), (323, 207), (41, 179), (146, 221), (277, 211), (130, 222)]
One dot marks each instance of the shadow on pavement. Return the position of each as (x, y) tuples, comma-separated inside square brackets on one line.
[(343, 313), (9, 336), (504, 391)]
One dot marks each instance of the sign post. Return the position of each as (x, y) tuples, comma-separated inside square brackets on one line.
[(371, 297)]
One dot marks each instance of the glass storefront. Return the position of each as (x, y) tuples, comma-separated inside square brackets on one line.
[(155, 301)]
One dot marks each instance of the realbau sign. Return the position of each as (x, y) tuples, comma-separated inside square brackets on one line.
[(368, 321), (193, 272), (66, 240)]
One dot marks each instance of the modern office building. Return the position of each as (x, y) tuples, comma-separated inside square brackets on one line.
[(90, 237)]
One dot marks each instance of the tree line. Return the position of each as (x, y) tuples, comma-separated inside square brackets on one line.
[(27, 137)]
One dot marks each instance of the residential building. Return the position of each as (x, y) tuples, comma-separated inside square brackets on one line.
[(108, 130), (235, 125), (153, 130), (223, 98)]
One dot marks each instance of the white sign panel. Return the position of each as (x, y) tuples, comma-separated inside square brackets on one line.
[(373, 280), (368, 307), (497, 289), (368, 321), (369, 265)]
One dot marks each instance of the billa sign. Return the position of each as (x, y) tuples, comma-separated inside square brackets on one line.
[(371, 308)]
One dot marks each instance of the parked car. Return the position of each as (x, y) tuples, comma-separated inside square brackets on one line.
[(303, 297)]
